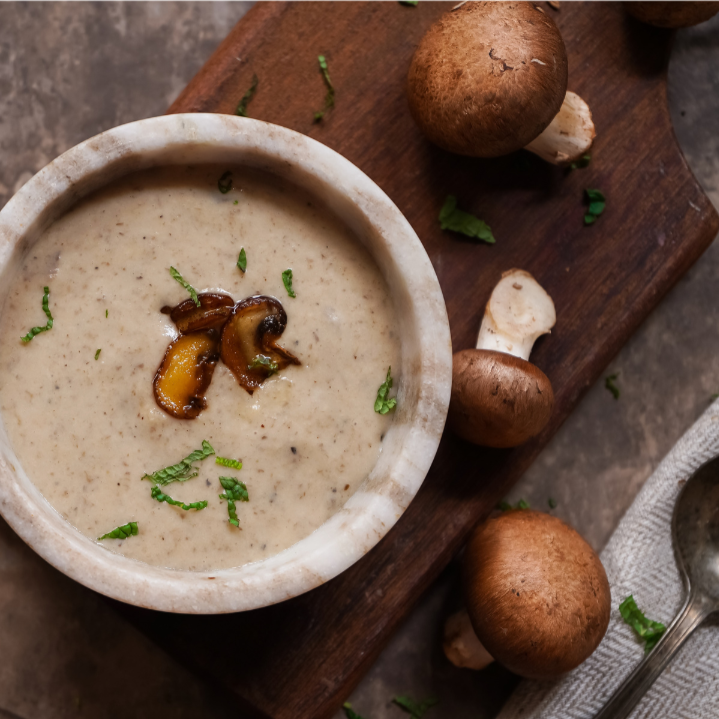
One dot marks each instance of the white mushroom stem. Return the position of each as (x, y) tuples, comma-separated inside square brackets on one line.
[(461, 645), (568, 136), (518, 312)]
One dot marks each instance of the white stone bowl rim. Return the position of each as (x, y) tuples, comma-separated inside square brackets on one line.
[(425, 374)]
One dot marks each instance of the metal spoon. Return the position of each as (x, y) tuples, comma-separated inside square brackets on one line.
[(695, 531)]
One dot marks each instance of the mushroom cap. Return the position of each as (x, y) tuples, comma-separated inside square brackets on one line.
[(498, 400), (672, 14), (536, 592), (487, 78)]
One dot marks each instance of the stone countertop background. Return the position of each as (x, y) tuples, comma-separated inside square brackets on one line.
[(71, 70)]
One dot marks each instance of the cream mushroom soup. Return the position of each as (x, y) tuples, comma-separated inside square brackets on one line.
[(78, 400)]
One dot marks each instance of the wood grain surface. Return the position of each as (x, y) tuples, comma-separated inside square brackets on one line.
[(302, 658)]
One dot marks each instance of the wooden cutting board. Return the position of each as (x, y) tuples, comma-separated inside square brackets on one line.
[(302, 658)]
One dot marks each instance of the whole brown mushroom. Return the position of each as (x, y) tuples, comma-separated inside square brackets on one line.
[(490, 78), (500, 399), (672, 14), (536, 594)]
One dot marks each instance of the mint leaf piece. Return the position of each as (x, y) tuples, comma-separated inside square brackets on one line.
[(160, 496), (46, 309), (647, 630), (183, 470), (122, 532), (384, 403), (177, 276), (235, 491), (241, 109), (456, 220)]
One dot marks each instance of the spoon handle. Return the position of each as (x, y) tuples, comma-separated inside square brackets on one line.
[(694, 611)]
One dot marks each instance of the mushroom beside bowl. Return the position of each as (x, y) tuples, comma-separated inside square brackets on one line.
[(423, 389)]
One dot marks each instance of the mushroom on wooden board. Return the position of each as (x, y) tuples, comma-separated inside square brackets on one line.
[(490, 78), (672, 14), (536, 594), (500, 399)]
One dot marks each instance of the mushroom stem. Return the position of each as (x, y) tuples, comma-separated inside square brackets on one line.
[(518, 312), (461, 645), (568, 136)]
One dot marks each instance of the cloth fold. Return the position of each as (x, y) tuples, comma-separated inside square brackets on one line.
[(639, 560)]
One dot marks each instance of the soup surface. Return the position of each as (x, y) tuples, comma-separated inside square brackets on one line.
[(86, 426)]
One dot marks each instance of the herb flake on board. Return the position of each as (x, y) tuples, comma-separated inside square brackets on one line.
[(581, 163), (97, 354), (610, 384), (350, 713), (242, 260), (415, 709), (46, 309), (506, 506), (597, 203), (456, 220), (330, 96), (245, 101)]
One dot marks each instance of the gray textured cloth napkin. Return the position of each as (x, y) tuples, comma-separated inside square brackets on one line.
[(639, 560)]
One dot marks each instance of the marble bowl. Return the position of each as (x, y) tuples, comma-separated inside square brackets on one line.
[(423, 388)]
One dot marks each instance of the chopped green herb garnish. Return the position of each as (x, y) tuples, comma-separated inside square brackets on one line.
[(506, 506), (410, 3), (646, 629), (46, 309), (581, 163), (225, 462), (415, 709), (609, 384), (123, 532), (597, 203), (157, 493), (182, 471), (264, 362), (97, 354), (242, 260), (287, 280), (106, 314), (349, 712), (224, 184), (552, 503), (383, 403), (245, 101), (236, 202), (330, 96), (235, 491), (456, 220), (177, 276)]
